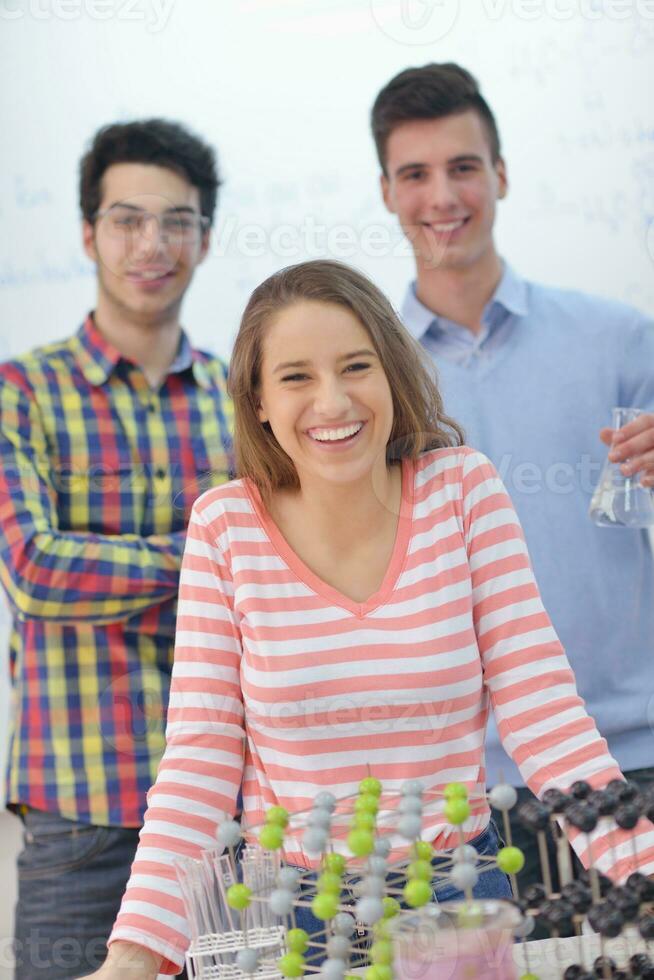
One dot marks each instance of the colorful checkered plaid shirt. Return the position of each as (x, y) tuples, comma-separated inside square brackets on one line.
[(98, 473)]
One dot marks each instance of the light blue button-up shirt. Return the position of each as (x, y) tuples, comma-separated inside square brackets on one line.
[(532, 391)]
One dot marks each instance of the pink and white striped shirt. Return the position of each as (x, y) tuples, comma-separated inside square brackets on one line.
[(287, 687)]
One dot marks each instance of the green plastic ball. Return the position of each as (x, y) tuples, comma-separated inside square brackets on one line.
[(297, 940), (364, 821), (360, 842), (329, 882), (470, 916), (271, 836), (277, 815), (334, 863), (238, 896), (291, 965), (455, 791), (417, 893), (381, 952), (529, 976), (391, 907), (423, 850), (325, 906), (420, 869), (370, 785), (378, 971), (510, 860), (457, 811), (366, 803)]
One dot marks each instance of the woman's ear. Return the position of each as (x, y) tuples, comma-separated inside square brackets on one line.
[(260, 412)]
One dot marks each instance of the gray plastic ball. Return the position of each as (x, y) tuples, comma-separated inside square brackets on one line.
[(410, 804), (288, 878), (314, 840), (325, 800), (465, 852), (343, 924), (503, 797), (464, 875), (524, 928), (338, 947), (409, 826), (377, 865), (369, 910), (320, 817), (281, 901), (374, 886), (412, 787), (382, 847), (333, 969), (228, 833), (247, 960)]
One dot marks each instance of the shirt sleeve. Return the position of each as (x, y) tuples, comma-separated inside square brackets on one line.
[(200, 773), (542, 721), (636, 374), (67, 577)]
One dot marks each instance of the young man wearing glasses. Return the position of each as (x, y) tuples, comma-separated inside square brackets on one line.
[(531, 373), (106, 439)]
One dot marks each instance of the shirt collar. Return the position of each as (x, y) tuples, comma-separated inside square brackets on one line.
[(510, 295), (98, 358)]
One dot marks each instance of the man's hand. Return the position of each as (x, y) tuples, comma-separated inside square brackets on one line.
[(633, 442)]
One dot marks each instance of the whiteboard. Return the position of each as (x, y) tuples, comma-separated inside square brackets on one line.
[(283, 89)]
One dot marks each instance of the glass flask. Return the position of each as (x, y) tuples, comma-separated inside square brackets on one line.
[(618, 500), (456, 941)]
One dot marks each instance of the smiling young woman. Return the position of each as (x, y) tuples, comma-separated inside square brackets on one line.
[(355, 602)]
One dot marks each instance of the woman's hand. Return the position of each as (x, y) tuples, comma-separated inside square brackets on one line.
[(127, 961)]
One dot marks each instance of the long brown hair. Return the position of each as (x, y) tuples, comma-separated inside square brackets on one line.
[(419, 422)]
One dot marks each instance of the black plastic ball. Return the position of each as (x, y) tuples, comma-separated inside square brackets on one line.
[(583, 816), (624, 899), (605, 801), (639, 962), (554, 800), (605, 883), (533, 815), (604, 966), (580, 789), (535, 895), (646, 925), (627, 816), (628, 791), (573, 972), (579, 896)]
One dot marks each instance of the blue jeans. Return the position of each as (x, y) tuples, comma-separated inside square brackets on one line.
[(491, 884), (71, 879)]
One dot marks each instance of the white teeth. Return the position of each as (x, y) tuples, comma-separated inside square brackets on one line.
[(331, 435), (151, 275), (450, 226)]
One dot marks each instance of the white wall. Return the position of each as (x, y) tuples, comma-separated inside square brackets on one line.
[(283, 89)]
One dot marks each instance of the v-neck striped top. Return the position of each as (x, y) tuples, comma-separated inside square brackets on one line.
[(286, 687)]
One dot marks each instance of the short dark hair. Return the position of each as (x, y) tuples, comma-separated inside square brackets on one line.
[(156, 141), (430, 92)]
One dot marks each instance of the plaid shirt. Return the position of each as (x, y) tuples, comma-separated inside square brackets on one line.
[(98, 473)]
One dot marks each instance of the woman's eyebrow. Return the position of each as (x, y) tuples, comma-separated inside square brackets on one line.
[(285, 365)]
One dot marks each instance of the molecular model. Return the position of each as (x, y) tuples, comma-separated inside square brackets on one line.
[(372, 886)]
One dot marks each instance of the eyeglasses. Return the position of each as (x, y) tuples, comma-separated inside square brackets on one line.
[(176, 227)]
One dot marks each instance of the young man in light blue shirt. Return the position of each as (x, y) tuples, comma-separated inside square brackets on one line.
[(532, 374)]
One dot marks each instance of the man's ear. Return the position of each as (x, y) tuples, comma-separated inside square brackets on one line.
[(88, 240), (386, 192), (204, 246), (502, 177)]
